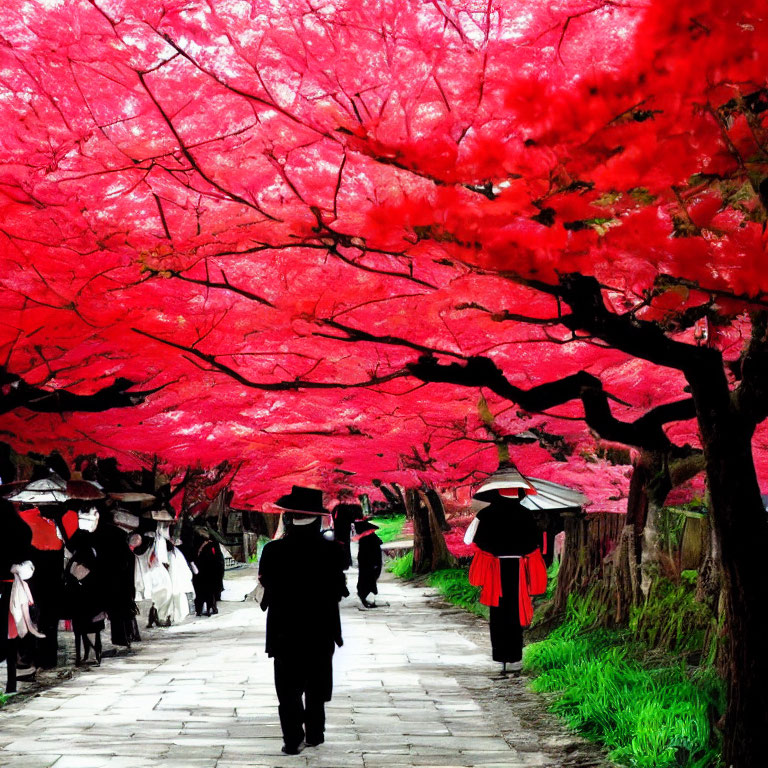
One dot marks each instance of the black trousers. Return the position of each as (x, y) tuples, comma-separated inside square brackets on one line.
[(504, 620), (303, 682)]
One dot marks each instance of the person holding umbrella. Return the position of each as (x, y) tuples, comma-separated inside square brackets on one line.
[(303, 579), (507, 561)]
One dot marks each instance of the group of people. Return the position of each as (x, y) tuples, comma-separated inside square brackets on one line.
[(86, 562), (68, 554)]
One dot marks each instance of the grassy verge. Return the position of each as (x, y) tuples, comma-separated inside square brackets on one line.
[(402, 567), (650, 709), (390, 528)]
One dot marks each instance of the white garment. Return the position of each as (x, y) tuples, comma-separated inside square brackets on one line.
[(181, 584), (21, 599), (469, 535)]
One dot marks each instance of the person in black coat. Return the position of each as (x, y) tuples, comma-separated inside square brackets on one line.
[(344, 515), (303, 579), (118, 562), (208, 572), (368, 561)]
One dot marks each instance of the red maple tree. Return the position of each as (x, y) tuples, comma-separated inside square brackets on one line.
[(292, 220)]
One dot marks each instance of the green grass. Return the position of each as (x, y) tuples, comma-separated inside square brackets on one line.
[(650, 714), (674, 620), (390, 528), (453, 584), (3, 699), (402, 567)]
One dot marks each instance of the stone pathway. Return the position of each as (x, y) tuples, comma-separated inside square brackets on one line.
[(414, 686)]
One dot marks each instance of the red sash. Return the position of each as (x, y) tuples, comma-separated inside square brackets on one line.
[(485, 572)]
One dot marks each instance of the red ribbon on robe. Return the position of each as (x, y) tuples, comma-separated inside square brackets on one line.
[(485, 572)]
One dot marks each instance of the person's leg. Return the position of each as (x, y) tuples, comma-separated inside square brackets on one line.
[(504, 620), (10, 663), (289, 688), (318, 690)]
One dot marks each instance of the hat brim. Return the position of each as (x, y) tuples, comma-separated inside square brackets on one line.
[(307, 512)]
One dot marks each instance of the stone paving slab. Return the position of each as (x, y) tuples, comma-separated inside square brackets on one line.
[(414, 686)]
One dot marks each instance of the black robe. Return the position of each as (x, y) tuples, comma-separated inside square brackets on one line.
[(119, 562), (507, 528), (303, 579), (85, 595), (368, 564), (208, 582)]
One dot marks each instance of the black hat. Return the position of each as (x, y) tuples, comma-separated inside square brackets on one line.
[(304, 501), (361, 526)]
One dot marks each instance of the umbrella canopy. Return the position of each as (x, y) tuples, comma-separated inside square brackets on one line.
[(551, 495), (49, 490), (84, 490)]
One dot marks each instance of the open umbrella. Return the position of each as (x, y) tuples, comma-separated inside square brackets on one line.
[(84, 490), (49, 490)]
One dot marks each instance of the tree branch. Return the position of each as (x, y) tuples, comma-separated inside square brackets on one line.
[(645, 432), (17, 393)]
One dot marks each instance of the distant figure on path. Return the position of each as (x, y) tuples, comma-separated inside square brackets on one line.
[(344, 514), (368, 561), (507, 563), (208, 570), (303, 580)]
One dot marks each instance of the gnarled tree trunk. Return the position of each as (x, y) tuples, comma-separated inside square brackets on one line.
[(741, 527), (430, 552)]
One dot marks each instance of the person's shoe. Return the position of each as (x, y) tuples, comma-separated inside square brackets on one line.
[(25, 673), (214, 610), (315, 742), (292, 749)]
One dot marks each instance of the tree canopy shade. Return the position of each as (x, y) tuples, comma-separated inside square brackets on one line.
[(316, 229)]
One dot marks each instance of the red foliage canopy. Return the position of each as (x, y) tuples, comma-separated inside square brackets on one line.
[(271, 210)]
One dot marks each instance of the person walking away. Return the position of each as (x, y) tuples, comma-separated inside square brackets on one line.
[(368, 560), (507, 562), (208, 573), (344, 514), (303, 579)]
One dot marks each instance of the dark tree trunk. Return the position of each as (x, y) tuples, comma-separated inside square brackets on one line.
[(422, 539), (741, 527), (433, 497), (589, 539), (430, 552)]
